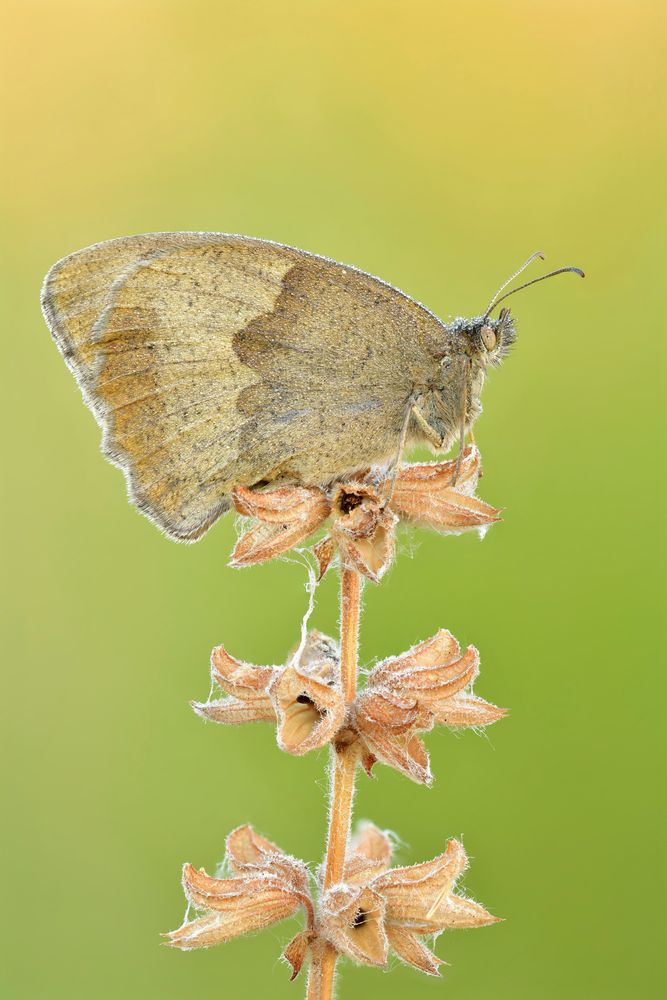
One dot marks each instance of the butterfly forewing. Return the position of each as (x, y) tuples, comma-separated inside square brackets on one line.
[(214, 360)]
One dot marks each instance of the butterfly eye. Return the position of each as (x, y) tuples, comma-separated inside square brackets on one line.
[(489, 338)]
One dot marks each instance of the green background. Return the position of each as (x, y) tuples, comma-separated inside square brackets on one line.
[(435, 144)]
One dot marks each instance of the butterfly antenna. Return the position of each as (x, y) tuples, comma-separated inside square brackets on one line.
[(533, 281), (533, 256)]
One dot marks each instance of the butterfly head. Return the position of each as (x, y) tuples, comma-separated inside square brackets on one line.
[(484, 340)]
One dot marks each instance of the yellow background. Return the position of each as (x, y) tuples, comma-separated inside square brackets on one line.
[(435, 144)]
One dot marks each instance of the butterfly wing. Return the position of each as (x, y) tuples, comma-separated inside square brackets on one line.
[(212, 360)]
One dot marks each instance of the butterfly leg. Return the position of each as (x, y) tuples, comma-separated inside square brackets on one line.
[(429, 432), (465, 392), (412, 411)]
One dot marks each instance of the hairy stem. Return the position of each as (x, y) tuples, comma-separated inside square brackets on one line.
[(342, 793), (350, 603), (321, 972), (344, 765)]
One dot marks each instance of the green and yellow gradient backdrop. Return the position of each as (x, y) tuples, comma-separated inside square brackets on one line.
[(435, 144)]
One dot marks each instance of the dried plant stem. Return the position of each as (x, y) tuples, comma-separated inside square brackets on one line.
[(342, 793), (344, 765), (321, 973), (350, 605)]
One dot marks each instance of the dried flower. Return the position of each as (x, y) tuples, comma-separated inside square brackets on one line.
[(364, 512), (376, 909), (362, 529), (404, 696), (409, 694), (373, 910), (303, 697), (353, 921), (286, 516), (267, 886)]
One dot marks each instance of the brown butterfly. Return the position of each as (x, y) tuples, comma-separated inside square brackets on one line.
[(213, 360)]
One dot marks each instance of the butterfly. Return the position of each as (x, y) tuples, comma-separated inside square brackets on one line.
[(214, 360)]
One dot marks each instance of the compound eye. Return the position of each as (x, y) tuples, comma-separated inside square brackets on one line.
[(489, 338)]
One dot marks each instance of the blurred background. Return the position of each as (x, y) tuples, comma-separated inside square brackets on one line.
[(436, 145)]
